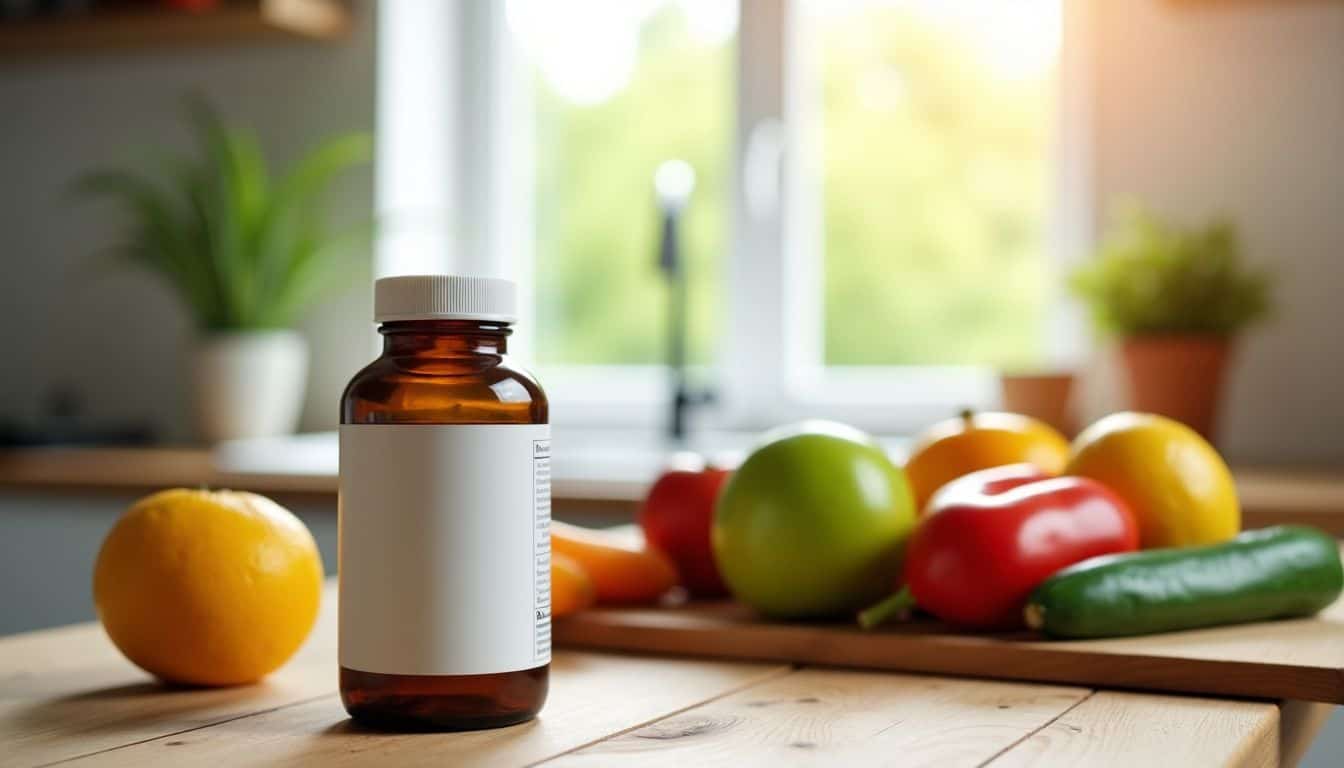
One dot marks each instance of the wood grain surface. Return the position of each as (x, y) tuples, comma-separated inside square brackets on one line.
[(593, 696), (837, 717), (67, 696), (1296, 659), (1109, 728), (68, 692)]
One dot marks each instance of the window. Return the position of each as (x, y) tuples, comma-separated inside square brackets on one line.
[(615, 93), (868, 235), (935, 121)]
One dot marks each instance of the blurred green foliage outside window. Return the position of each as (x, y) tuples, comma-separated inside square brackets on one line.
[(933, 132)]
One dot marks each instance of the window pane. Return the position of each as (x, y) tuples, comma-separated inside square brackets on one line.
[(619, 88), (935, 131)]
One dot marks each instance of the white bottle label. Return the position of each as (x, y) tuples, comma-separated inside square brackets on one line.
[(445, 548)]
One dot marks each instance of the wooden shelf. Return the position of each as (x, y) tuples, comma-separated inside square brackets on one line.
[(150, 26)]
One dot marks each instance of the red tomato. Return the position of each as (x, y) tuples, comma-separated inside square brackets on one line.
[(676, 518), (989, 538)]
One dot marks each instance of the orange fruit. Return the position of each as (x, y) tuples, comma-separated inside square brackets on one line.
[(208, 588), (976, 441), (1179, 488)]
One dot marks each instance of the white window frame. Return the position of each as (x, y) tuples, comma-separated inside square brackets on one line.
[(770, 361)]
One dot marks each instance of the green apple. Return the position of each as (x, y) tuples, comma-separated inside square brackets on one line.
[(814, 523)]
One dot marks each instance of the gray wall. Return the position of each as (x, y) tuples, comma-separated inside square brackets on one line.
[(1202, 108), (117, 338), (1199, 108)]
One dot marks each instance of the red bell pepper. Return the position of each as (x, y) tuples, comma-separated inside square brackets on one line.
[(989, 538)]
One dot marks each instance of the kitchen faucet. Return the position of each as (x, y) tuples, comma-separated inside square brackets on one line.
[(673, 183)]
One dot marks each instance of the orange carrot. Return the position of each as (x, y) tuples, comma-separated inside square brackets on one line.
[(622, 571), (571, 587)]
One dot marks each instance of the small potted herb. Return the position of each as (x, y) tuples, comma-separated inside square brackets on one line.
[(247, 253), (1177, 299)]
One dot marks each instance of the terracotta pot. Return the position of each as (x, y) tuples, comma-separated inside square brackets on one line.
[(1178, 376), (1044, 396)]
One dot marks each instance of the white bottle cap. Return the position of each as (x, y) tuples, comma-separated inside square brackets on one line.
[(444, 297)]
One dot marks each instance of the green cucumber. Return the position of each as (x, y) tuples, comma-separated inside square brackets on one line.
[(1271, 573)]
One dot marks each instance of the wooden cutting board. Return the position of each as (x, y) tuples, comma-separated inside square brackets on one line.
[(1294, 659)]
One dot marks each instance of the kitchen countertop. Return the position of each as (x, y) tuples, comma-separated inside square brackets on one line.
[(589, 470), (303, 467), (614, 466), (69, 696)]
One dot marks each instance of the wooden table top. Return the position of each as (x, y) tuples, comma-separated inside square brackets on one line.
[(67, 695)]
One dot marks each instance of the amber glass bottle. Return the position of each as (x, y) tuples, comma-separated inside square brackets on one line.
[(445, 515)]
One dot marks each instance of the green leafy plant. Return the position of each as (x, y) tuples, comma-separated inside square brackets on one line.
[(243, 249), (1151, 278)]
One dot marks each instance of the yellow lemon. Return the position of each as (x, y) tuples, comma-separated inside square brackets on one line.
[(1177, 485), (208, 588), (975, 441)]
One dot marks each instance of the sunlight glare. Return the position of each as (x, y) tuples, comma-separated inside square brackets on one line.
[(1015, 40), (587, 50)]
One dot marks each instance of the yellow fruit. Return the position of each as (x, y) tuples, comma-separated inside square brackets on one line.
[(975, 441), (1177, 485), (208, 588)]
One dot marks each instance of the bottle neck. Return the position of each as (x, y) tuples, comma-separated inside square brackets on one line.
[(444, 338)]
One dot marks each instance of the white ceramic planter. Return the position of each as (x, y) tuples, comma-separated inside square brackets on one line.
[(248, 383)]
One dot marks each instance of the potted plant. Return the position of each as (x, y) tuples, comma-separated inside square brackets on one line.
[(1177, 299), (247, 253)]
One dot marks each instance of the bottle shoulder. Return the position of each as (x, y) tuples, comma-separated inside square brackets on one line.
[(472, 390)]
